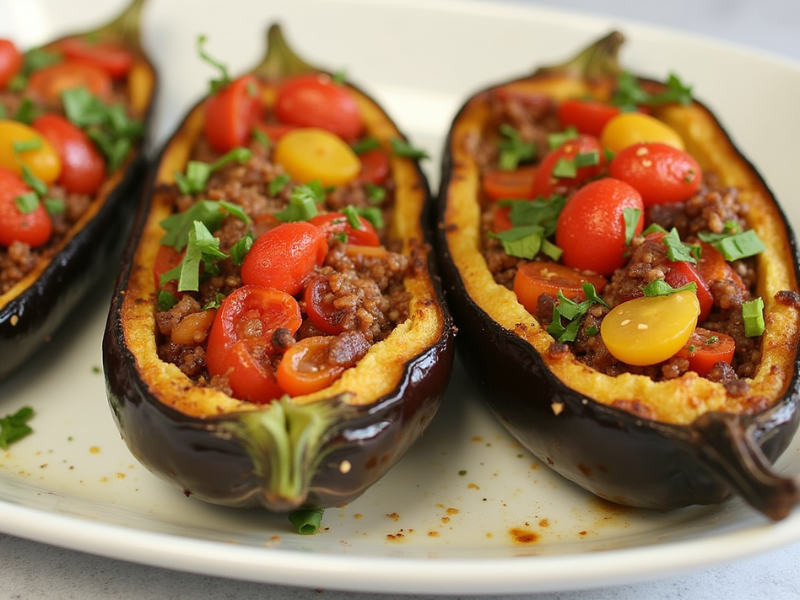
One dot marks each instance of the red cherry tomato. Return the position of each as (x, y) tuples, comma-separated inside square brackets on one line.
[(232, 113), (112, 58), (518, 183), (591, 227), (285, 256), (83, 168), (587, 116), (536, 278), (317, 101), (305, 367), (706, 348), (374, 167), (335, 223), (49, 82), (320, 307), (682, 273), (10, 61), (545, 183), (240, 341), (167, 258), (33, 228), (712, 266), (660, 172)]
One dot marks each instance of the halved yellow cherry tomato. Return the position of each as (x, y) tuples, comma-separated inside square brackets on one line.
[(43, 161), (309, 153), (646, 331), (631, 128)]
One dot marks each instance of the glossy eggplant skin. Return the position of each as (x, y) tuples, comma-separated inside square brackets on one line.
[(555, 410), (309, 452), (32, 311)]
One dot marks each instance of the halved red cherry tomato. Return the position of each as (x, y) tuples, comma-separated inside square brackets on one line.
[(305, 367), (320, 307), (661, 173), (712, 266), (591, 227), (587, 116), (113, 58), (518, 183), (545, 183), (167, 258), (706, 348), (317, 101), (682, 273), (10, 61), (285, 256), (335, 223), (240, 342), (374, 166), (232, 113), (49, 82), (33, 228), (536, 278), (83, 168)]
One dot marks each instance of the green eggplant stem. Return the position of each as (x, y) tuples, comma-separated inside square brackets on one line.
[(306, 521), (280, 61), (125, 27), (599, 59), (285, 442)]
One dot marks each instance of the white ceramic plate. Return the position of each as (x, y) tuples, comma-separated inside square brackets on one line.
[(467, 511)]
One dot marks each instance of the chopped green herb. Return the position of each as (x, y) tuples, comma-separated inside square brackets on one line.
[(712, 339), (27, 203), (654, 228), (659, 287), (525, 241), (554, 140), (178, 226), (339, 77), (54, 206), (34, 143), (240, 249), (734, 246), (352, 217), (677, 251), (513, 150), (571, 311), (630, 94), (306, 521), (33, 60), (365, 145), (568, 167), (224, 78), (375, 193), (462, 472), (753, 316), (166, 300), (276, 185), (27, 111), (216, 302), (631, 217), (303, 202), (536, 212), (261, 137), (197, 173), (404, 149), (592, 331), (37, 184), (201, 249), (14, 427), (372, 214)]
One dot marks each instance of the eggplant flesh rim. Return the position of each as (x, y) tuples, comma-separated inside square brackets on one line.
[(678, 401), (375, 375)]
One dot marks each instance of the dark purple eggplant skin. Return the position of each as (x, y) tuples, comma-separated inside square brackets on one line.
[(614, 454), (208, 458)]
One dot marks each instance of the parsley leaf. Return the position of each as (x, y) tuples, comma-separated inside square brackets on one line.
[(734, 246), (513, 150), (303, 202), (202, 248), (197, 173), (677, 251), (659, 287), (14, 427), (629, 93), (571, 311)]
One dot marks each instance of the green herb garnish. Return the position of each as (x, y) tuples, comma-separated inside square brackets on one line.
[(197, 173), (659, 287), (630, 95), (404, 149), (571, 311), (303, 203), (513, 150), (631, 217), (734, 246), (753, 316), (15, 426), (365, 145)]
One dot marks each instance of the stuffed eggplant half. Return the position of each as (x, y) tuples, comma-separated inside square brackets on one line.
[(277, 337), (73, 117), (625, 285)]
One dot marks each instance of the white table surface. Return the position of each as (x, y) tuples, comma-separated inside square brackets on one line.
[(31, 570)]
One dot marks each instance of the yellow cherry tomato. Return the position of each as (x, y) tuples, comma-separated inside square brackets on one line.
[(631, 128), (42, 159), (309, 153), (646, 331)]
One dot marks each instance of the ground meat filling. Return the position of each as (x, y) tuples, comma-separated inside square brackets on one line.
[(367, 290), (711, 209)]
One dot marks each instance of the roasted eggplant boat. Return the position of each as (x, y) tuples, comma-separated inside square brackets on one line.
[(624, 284), (73, 116), (277, 337)]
